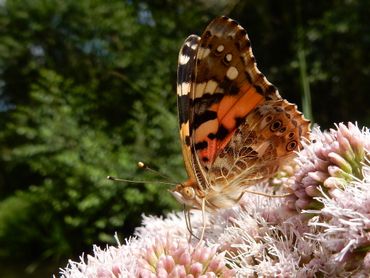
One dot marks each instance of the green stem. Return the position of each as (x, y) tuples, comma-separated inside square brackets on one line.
[(305, 84)]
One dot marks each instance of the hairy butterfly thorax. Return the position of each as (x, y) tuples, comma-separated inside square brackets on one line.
[(235, 128)]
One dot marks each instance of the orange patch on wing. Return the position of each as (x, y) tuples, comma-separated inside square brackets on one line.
[(232, 107), (228, 110), (238, 107), (202, 135)]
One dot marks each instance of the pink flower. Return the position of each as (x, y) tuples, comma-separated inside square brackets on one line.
[(113, 262), (166, 257), (331, 160), (321, 229)]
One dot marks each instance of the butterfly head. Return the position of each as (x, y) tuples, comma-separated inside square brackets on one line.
[(186, 194)]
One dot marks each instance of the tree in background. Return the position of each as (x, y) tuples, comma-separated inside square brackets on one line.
[(88, 89)]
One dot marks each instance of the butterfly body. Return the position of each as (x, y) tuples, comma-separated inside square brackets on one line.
[(235, 128)]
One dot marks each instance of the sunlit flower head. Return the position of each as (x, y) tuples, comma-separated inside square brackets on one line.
[(330, 160), (166, 257)]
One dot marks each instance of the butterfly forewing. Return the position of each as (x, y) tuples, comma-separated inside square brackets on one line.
[(227, 87)]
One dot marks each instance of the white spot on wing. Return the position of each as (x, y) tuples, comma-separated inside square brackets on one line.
[(199, 89), (188, 43), (220, 48), (183, 89), (229, 57), (183, 59), (232, 73), (205, 87), (194, 46), (211, 87)]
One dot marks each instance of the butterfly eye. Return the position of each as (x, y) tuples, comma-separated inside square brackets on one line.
[(276, 125), (188, 192), (291, 145)]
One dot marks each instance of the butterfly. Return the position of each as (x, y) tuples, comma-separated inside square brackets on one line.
[(235, 128)]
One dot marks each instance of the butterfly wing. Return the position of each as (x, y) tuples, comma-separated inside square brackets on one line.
[(270, 135), (227, 87), (185, 77), (237, 128)]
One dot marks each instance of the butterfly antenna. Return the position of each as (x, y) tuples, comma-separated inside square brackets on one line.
[(142, 165), (131, 181)]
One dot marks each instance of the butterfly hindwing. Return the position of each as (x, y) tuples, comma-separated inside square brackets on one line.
[(270, 135)]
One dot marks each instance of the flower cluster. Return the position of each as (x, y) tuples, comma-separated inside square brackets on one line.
[(112, 262), (322, 229), (343, 224), (329, 161), (155, 252), (165, 257)]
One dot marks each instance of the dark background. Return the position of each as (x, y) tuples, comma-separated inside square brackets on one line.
[(87, 89)]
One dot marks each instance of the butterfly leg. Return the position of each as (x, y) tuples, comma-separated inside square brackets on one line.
[(204, 224), (188, 223), (203, 219)]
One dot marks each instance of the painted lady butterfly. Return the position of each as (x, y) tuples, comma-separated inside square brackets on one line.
[(235, 128)]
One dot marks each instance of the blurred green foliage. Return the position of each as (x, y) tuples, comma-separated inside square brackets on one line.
[(87, 89)]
